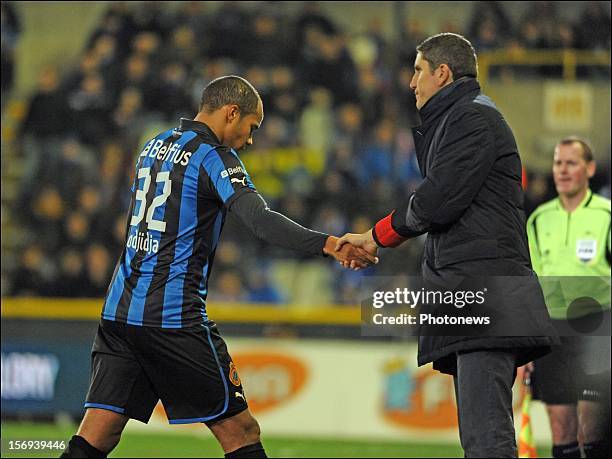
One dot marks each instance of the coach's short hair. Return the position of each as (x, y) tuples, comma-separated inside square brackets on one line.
[(230, 89), (453, 50), (587, 151)]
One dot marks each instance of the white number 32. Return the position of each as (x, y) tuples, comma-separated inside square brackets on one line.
[(141, 199)]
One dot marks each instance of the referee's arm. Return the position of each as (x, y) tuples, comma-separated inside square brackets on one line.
[(609, 247), (532, 238)]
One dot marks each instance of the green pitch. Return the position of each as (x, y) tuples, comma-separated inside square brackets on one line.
[(156, 444)]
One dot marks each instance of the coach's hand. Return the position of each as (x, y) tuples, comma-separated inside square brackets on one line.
[(348, 255), (364, 240)]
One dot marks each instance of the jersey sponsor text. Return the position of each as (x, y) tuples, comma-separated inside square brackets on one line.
[(172, 152)]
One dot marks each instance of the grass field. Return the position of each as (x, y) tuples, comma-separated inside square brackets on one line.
[(154, 444)]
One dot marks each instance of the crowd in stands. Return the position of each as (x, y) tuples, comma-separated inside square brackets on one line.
[(10, 31), (335, 151)]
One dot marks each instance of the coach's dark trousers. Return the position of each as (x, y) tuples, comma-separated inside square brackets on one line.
[(483, 388)]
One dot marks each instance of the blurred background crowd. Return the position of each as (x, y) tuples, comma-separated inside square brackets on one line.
[(335, 151)]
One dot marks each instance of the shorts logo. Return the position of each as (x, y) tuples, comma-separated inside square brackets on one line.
[(233, 375)]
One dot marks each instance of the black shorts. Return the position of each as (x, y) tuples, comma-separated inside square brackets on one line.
[(189, 369), (560, 378)]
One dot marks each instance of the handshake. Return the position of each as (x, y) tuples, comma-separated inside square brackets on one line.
[(353, 251)]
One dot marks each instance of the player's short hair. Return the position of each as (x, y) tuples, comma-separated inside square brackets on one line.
[(587, 151), (230, 89), (453, 50)]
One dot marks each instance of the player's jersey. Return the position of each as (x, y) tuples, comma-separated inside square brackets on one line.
[(184, 183)]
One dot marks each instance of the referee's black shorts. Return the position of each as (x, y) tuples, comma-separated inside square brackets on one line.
[(189, 369), (561, 378)]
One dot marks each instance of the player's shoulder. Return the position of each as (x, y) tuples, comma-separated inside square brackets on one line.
[(225, 156), (163, 135), (546, 208), (225, 151), (205, 152), (222, 160)]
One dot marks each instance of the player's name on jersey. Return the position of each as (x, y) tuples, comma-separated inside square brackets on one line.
[(169, 152), (143, 241)]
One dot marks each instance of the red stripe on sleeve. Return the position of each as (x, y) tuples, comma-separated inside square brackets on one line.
[(385, 234)]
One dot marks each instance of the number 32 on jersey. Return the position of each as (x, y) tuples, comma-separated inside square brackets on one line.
[(160, 200)]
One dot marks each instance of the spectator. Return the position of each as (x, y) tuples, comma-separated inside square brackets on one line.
[(11, 28), (71, 273), (98, 269), (35, 274), (228, 31), (376, 161), (168, 96), (332, 68), (91, 107), (311, 19), (491, 13), (487, 37), (282, 100), (128, 118), (266, 46), (594, 26), (229, 288), (260, 290), (183, 47), (47, 115), (316, 121), (136, 73)]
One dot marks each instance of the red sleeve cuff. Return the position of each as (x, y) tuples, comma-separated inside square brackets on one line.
[(385, 235)]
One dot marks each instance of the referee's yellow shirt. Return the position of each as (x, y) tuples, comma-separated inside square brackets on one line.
[(565, 246)]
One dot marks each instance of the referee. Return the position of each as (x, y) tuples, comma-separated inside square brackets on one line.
[(155, 339), (570, 236)]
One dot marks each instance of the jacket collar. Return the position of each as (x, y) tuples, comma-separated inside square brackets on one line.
[(201, 128), (584, 203), (447, 96)]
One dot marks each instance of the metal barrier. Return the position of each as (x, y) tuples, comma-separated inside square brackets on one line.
[(568, 59)]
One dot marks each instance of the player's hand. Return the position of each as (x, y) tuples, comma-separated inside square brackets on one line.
[(348, 255), (365, 241)]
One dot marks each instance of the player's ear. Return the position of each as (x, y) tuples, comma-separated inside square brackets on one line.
[(232, 113)]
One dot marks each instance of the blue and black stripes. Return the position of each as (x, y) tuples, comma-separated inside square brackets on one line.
[(184, 183)]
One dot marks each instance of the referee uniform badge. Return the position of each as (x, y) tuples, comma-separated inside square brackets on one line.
[(586, 249)]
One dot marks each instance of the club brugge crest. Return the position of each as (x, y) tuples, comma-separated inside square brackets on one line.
[(233, 374), (586, 249)]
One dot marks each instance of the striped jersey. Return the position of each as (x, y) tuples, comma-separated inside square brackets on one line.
[(185, 181)]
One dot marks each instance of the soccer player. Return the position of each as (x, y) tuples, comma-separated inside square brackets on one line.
[(155, 339), (570, 236), (470, 204)]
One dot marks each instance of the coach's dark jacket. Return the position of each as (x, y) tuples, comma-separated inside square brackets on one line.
[(471, 205)]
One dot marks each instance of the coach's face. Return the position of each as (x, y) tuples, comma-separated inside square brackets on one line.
[(426, 83), (570, 170), (240, 128)]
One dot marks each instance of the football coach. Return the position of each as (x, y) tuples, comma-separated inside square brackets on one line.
[(470, 203)]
